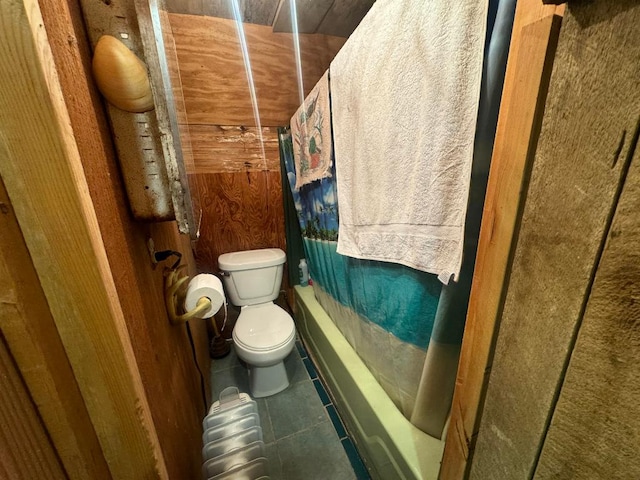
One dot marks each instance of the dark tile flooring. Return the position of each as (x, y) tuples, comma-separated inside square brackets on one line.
[(303, 434)]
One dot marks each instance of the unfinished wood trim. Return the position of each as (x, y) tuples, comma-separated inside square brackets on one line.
[(588, 134), (41, 168), (30, 332), (532, 48), (25, 449)]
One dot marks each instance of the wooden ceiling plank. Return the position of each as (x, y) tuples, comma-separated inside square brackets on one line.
[(310, 14), (344, 16), (261, 13)]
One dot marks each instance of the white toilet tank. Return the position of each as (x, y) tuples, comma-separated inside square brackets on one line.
[(252, 276)]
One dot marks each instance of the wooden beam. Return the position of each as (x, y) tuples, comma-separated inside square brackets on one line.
[(531, 55), (587, 138), (41, 168), (191, 7)]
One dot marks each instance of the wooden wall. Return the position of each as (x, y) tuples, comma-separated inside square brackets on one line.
[(562, 400), (161, 354), (238, 186)]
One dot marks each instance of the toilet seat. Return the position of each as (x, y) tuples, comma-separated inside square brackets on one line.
[(263, 327)]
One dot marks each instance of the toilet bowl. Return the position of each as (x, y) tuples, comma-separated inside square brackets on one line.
[(264, 333), (264, 336)]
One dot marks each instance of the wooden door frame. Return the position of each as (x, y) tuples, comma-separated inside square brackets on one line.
[(43, 175)]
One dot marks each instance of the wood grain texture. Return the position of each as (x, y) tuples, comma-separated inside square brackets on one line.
[(30, 332), (309, 15), (595, 431), (528, 70), (25, 450), (587, 133), (137, 137), (261, 13), (344, 16), (239, 190), (191, 7), (162, 351), (218, 149), (241, 211), (213, 74), (45, 181)]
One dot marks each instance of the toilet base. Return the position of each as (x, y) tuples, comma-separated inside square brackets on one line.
[(267, 381)]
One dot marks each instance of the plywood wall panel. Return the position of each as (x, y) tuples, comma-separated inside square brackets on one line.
[(228, 148), (213, 72), (241, 211)]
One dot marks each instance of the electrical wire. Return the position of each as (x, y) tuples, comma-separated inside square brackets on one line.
[(203, 388)]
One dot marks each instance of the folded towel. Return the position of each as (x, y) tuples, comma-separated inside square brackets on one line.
[(311, 135), (404, 99)]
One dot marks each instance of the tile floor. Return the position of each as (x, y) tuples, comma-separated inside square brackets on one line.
[(303, 434)]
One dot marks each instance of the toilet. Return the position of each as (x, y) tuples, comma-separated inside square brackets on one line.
[(264, 333)]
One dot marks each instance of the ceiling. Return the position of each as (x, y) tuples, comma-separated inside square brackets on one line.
[(328, 17)]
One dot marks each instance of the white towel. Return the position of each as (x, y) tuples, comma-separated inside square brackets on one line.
[(404, 97)]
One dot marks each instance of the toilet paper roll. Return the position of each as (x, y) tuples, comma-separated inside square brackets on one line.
[(205, 285)]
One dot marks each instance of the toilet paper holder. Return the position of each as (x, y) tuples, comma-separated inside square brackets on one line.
[(174, 296)]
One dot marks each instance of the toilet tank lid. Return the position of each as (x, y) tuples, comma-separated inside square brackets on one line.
[(248, 259)]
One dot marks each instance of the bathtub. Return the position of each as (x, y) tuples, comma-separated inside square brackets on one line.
[(390, 446)]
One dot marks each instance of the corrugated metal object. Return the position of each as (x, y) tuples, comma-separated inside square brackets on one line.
[(233, 446)]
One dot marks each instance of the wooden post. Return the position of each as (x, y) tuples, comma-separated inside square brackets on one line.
[(532, 49), (41, 168)]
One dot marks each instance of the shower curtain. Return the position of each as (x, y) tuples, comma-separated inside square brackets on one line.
[(403, 323), (386, 311)]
